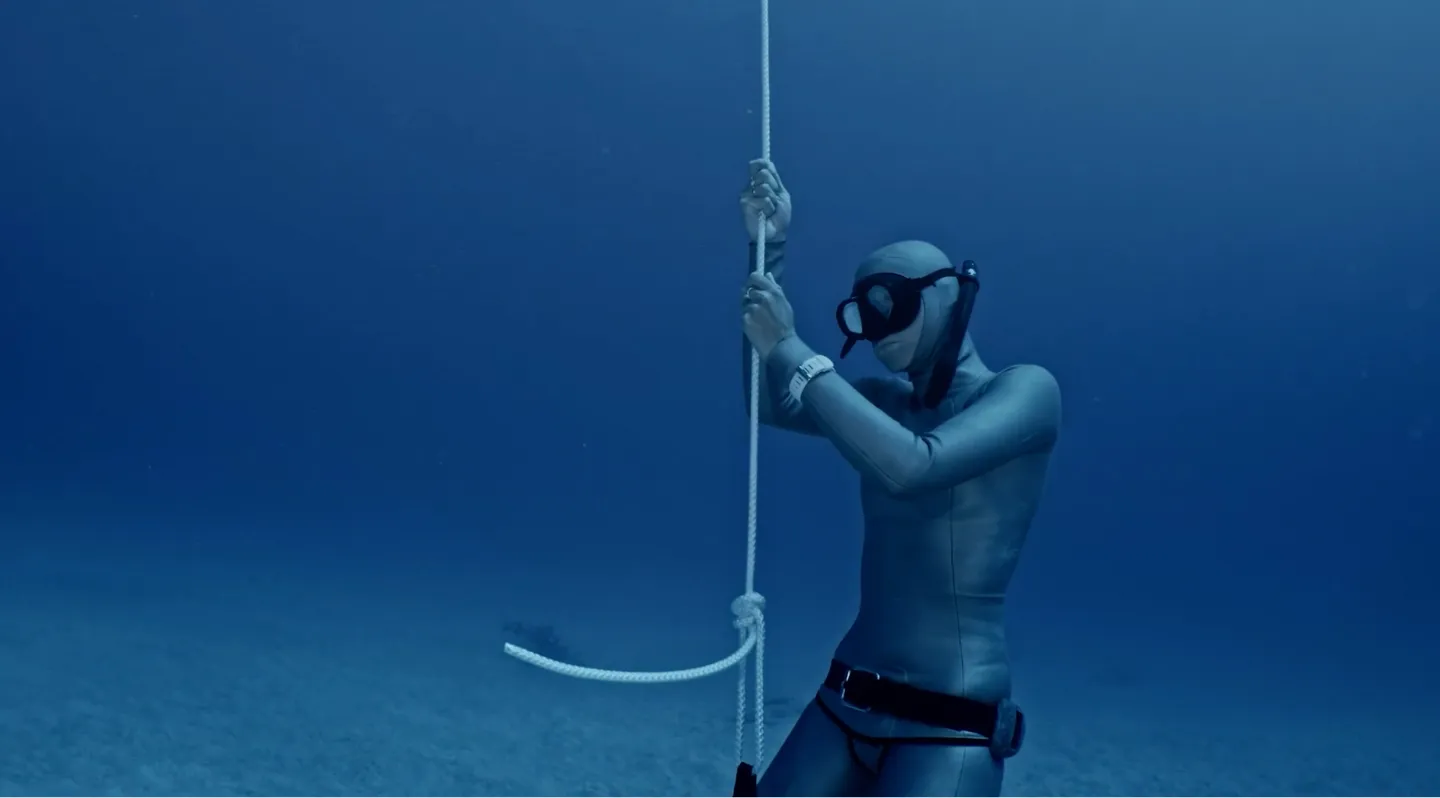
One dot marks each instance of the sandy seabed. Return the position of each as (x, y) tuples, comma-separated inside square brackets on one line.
[(124, 681)]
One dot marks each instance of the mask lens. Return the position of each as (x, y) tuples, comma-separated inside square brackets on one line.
[(883, 305), (850, 319), (880, 300)]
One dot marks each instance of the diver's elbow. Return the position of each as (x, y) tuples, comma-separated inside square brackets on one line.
[(896, 489), (906, 488), (904, 482)]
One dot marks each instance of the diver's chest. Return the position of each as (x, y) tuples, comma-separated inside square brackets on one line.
[(958, 503)]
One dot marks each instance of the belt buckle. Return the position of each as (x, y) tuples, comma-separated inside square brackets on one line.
[(857, 677)]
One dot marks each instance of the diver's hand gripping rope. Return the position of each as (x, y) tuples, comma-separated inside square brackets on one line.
[(749, 608)]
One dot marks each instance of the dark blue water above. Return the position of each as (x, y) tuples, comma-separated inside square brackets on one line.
[(352, 284)]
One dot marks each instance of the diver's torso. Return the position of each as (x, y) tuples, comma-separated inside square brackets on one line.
[(934, 572)]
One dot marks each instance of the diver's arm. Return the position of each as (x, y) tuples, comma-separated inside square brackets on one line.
[(1019, 414), (772, 411)]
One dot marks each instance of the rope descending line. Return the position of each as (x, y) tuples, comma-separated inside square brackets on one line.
[(749, 607)]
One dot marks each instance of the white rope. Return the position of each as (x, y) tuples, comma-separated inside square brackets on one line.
[(749, 607), (752, 527), (749, 619)]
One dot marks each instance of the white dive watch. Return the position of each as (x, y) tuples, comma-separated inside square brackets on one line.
[(813, 367)]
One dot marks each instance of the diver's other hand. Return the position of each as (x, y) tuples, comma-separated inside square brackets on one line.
[(766, 315), (765, 202)]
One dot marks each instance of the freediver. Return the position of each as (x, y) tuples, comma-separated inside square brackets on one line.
[(952, 460)]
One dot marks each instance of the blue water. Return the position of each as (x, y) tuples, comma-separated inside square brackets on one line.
[(342, 343)]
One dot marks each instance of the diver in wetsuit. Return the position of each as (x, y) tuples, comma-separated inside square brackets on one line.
[(952, 460)]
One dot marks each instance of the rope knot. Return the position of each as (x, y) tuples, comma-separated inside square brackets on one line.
[(749, 610)]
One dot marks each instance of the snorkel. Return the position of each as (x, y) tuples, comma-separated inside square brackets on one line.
[(947, 357)]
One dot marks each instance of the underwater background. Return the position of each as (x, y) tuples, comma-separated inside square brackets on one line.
[(341, 343)]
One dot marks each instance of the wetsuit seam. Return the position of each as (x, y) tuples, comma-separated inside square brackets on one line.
[(955, 600)]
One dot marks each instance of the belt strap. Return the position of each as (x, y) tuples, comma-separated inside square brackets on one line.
[(867, 691)]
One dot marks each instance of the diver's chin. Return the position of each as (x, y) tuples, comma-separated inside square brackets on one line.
[(892, 357)]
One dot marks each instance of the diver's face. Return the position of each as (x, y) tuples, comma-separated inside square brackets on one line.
[(896, 352)]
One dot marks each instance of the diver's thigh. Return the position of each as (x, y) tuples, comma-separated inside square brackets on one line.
[(814, 760), (918, 769)]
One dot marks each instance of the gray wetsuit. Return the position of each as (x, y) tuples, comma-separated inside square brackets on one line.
[(948, 494)]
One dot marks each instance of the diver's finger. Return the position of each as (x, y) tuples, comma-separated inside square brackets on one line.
[(760, 165), (765, 175), (771, 176), (757, 205), (760, 196), (763, 282), (755, 299)]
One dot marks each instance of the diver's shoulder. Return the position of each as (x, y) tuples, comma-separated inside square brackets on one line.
[(1034, 385), (1029, 375)]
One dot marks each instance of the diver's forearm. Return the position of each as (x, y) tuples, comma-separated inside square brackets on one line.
[(875, 444)]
